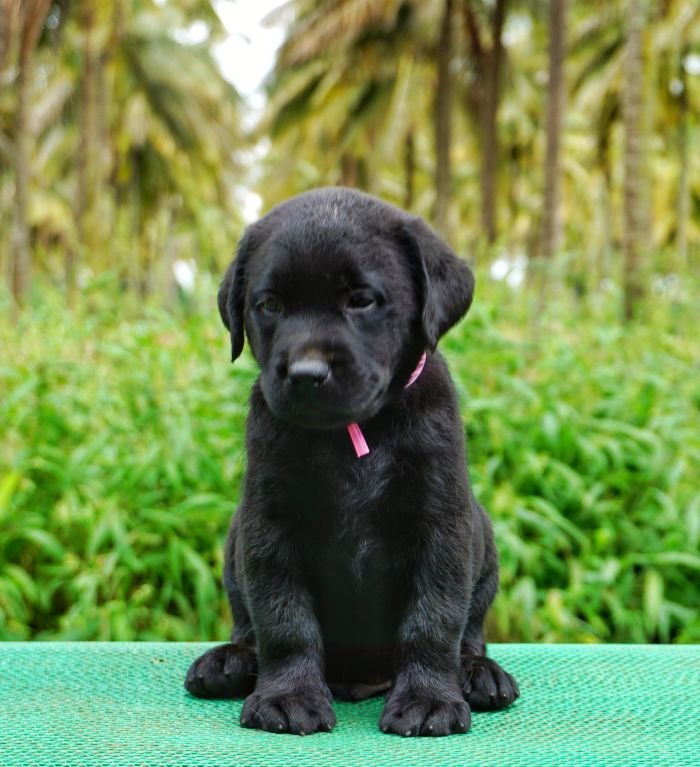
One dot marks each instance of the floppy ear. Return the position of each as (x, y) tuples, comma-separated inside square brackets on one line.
[(446, 282), (231, 297)]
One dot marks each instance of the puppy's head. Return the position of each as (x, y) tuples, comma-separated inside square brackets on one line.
[(339, 295)]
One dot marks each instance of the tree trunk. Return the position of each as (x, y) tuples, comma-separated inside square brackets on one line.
[(443, 122), (489, 115), (87, 153), (348, 170), (550, 235), (684, 178), (636, 229), (409, 160), (605, 269), (9, 25), (32, 16), (483, 100), (20, 227)]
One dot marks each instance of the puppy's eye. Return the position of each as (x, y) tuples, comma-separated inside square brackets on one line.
[(361, 300), (270, 305)]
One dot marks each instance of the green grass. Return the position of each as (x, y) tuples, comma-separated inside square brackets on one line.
[(121, 461)]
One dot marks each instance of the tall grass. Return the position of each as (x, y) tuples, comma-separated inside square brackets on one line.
[(121, 461)]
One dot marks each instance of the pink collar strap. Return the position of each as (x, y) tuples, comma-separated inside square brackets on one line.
[(357, 437)]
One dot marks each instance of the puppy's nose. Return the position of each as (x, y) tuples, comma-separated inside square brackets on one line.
[(308, 372)]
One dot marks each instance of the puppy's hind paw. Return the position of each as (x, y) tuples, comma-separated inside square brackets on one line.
[(227, 671), (486, 686)]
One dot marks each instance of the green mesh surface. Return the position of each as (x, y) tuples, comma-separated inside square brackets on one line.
[(83, 704)]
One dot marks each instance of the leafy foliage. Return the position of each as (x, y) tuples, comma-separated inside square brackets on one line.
[(122, 455)]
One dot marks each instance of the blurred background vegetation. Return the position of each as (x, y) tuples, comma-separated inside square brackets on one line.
[(554, 144)]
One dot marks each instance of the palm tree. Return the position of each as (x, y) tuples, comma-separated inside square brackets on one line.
[(354, 78), (596, 61), (676, 36), (132, 139), (340, 74), (599, 63)]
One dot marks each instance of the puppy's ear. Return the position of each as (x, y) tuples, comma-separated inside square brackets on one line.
[(231, 297), (446, 283)]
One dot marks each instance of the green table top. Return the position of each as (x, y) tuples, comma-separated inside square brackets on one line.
[(84, 704)]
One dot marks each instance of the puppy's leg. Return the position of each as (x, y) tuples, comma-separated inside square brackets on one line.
[(426, 698), (485, 685), (291, 694), (230, 670)]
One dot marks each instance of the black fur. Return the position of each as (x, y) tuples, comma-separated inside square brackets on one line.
[(347, 575)]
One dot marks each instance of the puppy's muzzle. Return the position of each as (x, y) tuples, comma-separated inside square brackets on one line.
[(318, 389)]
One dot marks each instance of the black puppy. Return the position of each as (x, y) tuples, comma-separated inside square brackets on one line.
[(358, 561)]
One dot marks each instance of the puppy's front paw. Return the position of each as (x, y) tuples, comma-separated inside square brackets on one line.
[(411, 712), (300, 712), (486, 686), (227, 671)]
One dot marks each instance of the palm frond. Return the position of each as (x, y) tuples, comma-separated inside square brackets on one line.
[(336, 26)]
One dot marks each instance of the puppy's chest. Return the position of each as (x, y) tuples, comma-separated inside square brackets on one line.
[(353, 523), (335, 506), (357, 550), (355, 517), (352, 570), (343, 483)]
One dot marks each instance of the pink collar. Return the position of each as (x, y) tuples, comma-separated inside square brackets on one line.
[(357, 437)]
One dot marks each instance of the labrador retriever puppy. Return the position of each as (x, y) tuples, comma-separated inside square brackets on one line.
[(358, 561)]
